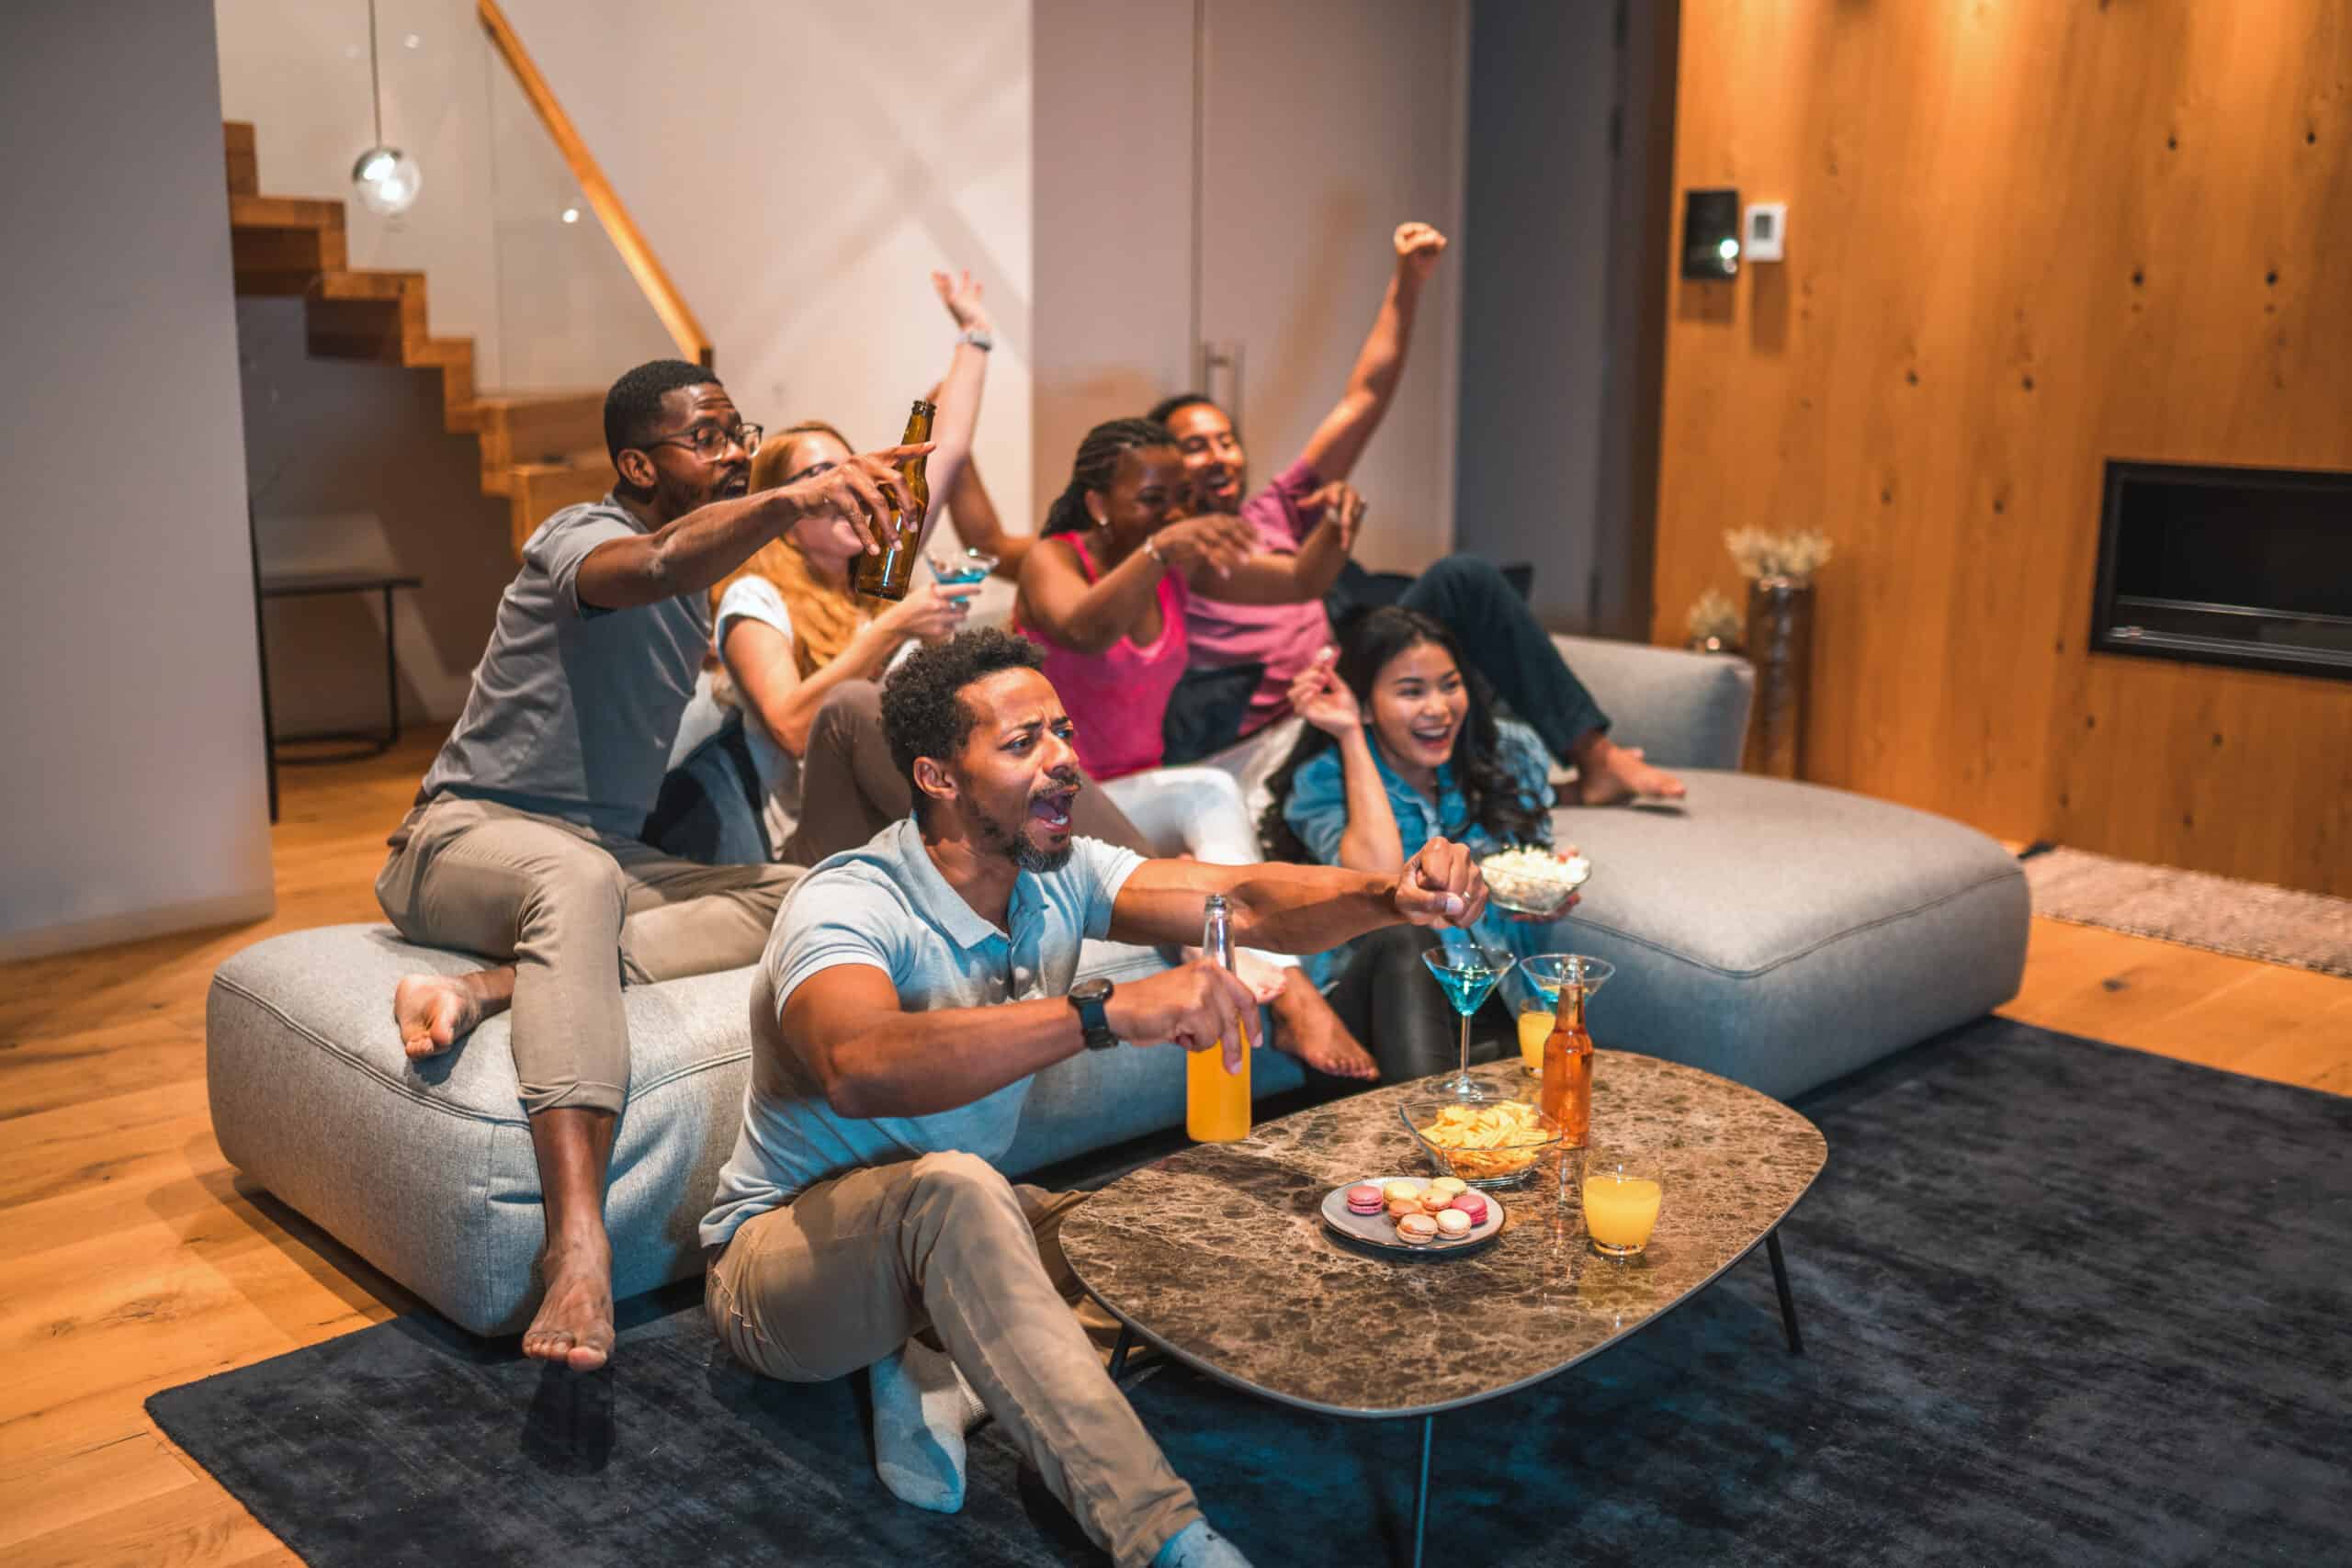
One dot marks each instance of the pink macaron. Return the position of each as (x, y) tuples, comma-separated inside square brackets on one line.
[(1473, 1204), (1364, 1198)]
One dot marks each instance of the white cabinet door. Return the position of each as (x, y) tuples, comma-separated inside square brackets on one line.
[(1324, 124)]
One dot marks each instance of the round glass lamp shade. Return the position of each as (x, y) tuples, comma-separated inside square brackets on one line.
[(386, 180)]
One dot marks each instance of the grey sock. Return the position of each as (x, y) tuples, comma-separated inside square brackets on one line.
[(922, 1407), (1197, 1546)]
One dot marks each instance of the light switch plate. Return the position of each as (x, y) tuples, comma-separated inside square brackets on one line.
[(1765, 231)]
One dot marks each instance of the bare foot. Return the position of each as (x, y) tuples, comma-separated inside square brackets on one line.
[(433, 1011), (574, 1324), (1307, 1028), (1607, 774)]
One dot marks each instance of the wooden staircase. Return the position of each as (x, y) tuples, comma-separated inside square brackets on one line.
[(542, 451)]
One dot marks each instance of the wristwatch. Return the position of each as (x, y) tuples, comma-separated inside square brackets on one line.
[(1090, 997), (977, 339)]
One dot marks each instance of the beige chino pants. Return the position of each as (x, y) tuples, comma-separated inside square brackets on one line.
[(579, 914), (853, 1267)]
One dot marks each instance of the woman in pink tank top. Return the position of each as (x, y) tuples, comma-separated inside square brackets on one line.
[(1104, 592)]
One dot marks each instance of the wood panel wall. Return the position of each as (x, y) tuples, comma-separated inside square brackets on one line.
[(2024, 236)]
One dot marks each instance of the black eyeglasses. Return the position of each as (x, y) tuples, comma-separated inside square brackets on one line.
[(707, 440)]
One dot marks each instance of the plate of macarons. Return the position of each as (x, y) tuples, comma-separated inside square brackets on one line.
[(1413, 1214)]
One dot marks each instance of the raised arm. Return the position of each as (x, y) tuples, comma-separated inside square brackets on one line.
[(1369, 840), (690, 554), (1299, 908), (957, 396), (1339, 440), (978, 524), (871, 1058)]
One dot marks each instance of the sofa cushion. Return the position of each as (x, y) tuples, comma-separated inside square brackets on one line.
[(425, 1169), (1782, 934)]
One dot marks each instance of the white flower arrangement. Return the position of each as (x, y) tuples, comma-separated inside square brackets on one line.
[(1716, 618), (1760, 554)]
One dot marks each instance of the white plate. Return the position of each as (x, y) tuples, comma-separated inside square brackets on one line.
[(1375, 1230)]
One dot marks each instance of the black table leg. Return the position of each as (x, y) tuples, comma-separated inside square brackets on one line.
[(391, 676), (1119, 1351), (1422, 1497), (1788, 1302)]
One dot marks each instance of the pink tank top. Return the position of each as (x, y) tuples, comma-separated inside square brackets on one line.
[(1119, 696)]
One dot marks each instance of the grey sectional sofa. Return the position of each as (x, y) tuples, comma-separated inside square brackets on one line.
[(1776, 933)]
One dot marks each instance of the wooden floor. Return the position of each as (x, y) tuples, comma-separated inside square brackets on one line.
[(132, 1258)]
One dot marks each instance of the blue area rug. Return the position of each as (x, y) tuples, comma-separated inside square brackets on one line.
[(2063, 1303)]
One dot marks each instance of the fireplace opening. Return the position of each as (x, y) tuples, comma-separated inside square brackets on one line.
[(2247, 567)]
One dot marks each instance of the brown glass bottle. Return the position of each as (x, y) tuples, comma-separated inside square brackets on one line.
[(889, 574), (1566, 1103)]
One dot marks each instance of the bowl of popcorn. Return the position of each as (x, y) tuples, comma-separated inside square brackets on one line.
[(1492, 1142), (1529, 879)]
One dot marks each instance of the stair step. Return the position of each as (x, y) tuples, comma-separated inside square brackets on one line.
[(284, 212), (244, 176), (536, 490), (538, 427)]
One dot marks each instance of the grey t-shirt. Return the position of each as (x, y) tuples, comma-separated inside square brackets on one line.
[(573, 709), (886, 905)]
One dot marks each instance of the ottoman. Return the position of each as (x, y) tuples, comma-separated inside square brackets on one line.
[(425, 1169), (1781, 934)]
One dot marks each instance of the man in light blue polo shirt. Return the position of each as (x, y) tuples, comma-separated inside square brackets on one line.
[(911, 990)]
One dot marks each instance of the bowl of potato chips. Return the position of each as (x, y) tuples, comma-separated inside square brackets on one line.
[(1491, 1143)]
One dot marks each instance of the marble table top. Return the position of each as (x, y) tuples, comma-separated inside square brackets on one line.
[(1217, 1254)]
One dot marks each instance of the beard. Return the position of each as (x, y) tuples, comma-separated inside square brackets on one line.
[(1015, 844)]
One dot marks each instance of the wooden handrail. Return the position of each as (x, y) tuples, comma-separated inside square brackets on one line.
[(660, 292)]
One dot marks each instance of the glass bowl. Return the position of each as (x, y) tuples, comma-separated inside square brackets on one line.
[(1509, 885), (1506, 1162)]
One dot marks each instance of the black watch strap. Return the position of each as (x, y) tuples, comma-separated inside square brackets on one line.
[(1091, 999)]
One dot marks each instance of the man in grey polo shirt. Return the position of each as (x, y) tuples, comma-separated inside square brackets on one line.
[(910, 991), (522, 844)]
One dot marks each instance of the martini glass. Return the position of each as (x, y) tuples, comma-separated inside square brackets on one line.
[(1467, 975)]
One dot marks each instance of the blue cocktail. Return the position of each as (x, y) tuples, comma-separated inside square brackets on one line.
[(960, 568), (1467, 977)]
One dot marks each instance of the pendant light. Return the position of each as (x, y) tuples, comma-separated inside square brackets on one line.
[(385, 178)]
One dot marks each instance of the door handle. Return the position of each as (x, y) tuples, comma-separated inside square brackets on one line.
[(1216, 363)]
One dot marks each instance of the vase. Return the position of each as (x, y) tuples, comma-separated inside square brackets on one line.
[(1780, 644)]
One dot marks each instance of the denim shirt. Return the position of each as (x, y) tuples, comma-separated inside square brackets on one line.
[(1316, 810)]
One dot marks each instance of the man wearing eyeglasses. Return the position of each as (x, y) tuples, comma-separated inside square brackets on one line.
[(522, 844)]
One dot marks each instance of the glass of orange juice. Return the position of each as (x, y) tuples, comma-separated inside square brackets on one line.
[(1622, 1195)]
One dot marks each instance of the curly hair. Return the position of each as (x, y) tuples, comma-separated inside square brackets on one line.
[(1097, 464), (923, 713), (633, 405), (1487, 787)]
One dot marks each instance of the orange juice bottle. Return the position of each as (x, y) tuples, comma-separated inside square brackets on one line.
[(1566, 1103), (1216, 1103)]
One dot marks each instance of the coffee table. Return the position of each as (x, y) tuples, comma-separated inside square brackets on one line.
[(1217, 1255)]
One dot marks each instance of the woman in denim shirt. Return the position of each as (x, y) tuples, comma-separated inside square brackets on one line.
[(1402, 745)]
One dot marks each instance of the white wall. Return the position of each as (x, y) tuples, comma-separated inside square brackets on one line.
[(1112, 215), (1536, 257), (799, 169), (133, 773)]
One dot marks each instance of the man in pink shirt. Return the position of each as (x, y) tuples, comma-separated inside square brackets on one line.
[(1244, 657)]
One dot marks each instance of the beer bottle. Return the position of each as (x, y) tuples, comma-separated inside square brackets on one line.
[(1566, 1103), (1216, 1103), (889, 574)]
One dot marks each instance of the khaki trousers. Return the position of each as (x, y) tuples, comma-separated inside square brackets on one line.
[(855, 1267), (578, 913)]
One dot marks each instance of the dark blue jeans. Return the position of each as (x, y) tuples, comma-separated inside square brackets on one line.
[(1469, 596)]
